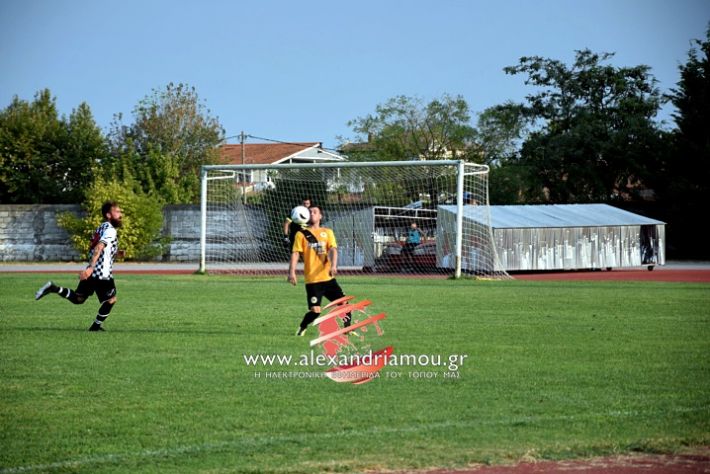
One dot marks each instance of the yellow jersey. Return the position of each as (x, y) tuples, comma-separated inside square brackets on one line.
[(316, 265)]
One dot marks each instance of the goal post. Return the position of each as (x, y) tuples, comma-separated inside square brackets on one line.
[(389, 217)]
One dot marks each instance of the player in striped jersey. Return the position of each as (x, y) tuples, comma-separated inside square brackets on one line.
[(98, 275)]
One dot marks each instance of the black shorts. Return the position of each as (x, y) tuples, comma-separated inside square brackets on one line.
[(316, 291), (104, 289)]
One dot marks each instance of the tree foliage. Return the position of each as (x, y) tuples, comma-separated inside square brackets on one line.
[(405, 128), (172, 136), (684, 181), (594, 137), (690, 164), (139, 236), (45, 158), (499, 133)]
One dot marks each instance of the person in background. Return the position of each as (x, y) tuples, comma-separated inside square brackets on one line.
[(414, 238), (290, 228)]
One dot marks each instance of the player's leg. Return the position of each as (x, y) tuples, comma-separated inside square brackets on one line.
[(314, 294), (78, 296), (46, 289), (334, 292), (106, 293)]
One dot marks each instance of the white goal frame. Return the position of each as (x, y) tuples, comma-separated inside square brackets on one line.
[(463, 169)]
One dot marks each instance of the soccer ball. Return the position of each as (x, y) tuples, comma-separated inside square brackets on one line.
[(300, 215)]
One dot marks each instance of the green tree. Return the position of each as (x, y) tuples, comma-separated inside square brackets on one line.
[(406, 128), (45, 158), (684, 181), (172, 136), (85, 148), (139, 236), (690, 166), (594, 136), (499, 132)]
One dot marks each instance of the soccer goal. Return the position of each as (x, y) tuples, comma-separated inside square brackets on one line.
[(394, 217)]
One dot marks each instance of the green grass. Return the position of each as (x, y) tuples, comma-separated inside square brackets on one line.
[(554, 370)]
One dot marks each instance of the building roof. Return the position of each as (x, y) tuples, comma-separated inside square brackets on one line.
[(273, 153), (557, 215)]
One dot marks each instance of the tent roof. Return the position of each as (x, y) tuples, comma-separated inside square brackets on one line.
[(557, 215)]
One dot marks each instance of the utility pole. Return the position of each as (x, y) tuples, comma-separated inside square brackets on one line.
[(242, 137)]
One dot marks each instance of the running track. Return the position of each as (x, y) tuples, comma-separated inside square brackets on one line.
[(696, 272)]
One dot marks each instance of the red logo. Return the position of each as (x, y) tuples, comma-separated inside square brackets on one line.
[(336, 339)]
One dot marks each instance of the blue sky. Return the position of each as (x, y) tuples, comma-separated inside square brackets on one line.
[(299, 70)]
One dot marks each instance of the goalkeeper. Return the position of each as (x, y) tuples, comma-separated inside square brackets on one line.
[(291, 228), (320, 266)]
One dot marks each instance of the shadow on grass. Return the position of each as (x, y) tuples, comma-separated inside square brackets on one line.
[(216, 332)]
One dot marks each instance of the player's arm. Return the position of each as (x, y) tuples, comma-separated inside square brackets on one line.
[(287, 227), (92, 264), (292, 268), (333, 256)]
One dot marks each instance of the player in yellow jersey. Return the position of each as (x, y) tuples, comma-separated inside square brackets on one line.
[(319, 249)]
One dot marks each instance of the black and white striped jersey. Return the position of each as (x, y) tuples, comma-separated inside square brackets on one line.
[(105, 233)]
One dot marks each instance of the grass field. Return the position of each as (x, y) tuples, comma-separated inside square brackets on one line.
[(554, 370)]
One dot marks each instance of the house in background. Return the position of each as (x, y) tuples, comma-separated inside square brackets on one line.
[(273, 154)]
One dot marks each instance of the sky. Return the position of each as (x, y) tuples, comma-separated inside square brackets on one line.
[(298, 71)]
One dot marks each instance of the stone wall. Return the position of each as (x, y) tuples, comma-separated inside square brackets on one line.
[(182, 224), (30, 233)]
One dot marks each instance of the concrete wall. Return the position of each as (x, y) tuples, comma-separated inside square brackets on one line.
[(182, 224), (29, 233)]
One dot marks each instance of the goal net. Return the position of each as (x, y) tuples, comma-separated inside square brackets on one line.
[(398, 218)]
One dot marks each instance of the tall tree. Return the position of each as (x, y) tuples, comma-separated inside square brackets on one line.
[(86, 147), (500, 131), (594, 135), (690, 165), (684, 181), (45, 158), (172, 136), (405, 128)]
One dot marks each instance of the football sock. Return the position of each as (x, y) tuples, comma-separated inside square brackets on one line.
[(308, 318), (70, 295), (103, 313)]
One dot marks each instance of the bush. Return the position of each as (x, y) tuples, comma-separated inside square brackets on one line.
[(139, 236)]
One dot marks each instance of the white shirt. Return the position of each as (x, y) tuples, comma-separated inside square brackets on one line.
[(106, 234)]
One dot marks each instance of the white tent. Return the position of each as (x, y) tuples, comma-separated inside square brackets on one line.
[(562, 236)]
